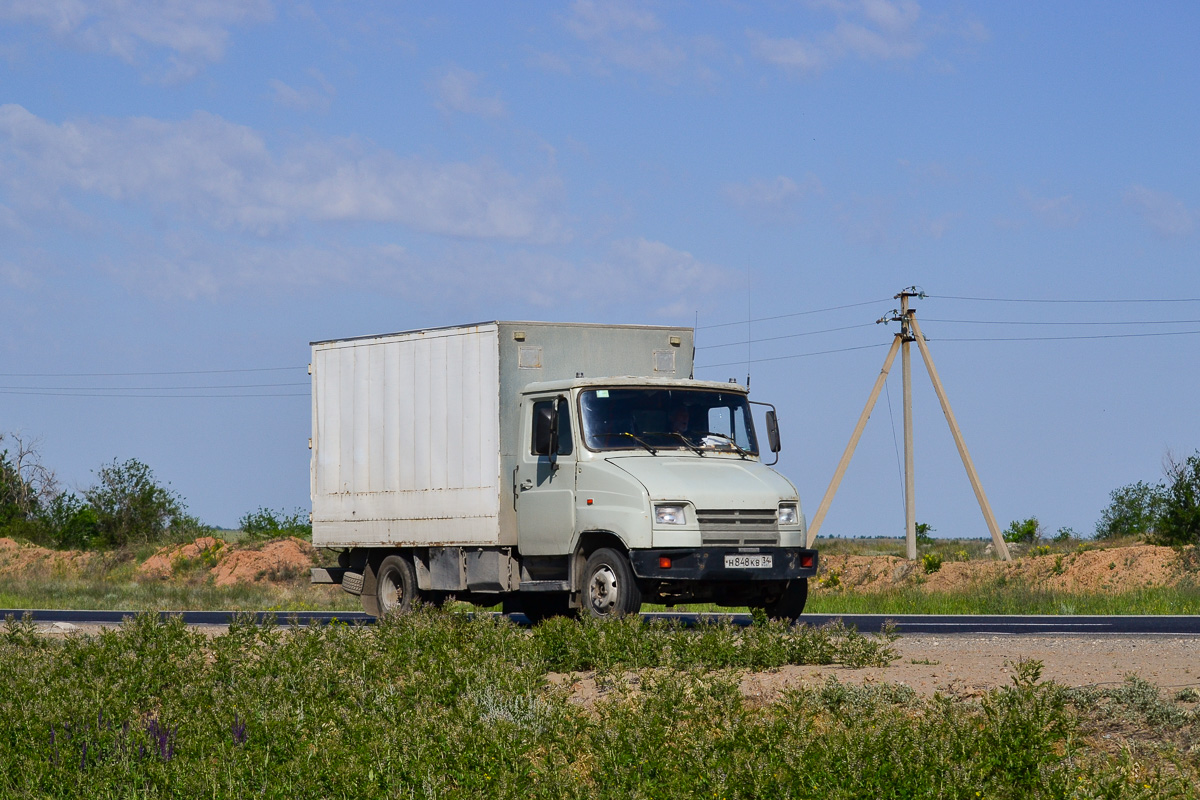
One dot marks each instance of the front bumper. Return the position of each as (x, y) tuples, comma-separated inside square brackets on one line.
[(708, 564)]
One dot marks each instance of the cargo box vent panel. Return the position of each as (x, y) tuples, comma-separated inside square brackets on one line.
[(738, 526)]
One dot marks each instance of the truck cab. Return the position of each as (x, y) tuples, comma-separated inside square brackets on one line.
[(668, 475)]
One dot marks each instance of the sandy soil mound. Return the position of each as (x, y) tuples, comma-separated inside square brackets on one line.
[(228, 564), (280, 560), (167, 560), (18, 559), (1109, 571)]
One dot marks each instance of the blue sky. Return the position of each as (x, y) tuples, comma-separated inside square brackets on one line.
[(187, 187)]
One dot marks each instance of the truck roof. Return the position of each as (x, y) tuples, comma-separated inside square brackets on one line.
[(504, 322), (602, 381)]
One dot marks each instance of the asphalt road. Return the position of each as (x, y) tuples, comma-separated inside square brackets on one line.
[(1125, 625)]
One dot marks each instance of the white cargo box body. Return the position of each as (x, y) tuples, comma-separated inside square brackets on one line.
[(413, 433)]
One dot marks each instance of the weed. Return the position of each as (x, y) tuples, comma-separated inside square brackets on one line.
[(932, 562), (1059, 567), (434, 704), (832, 580)]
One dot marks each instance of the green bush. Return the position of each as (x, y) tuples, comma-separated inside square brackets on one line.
[(132, 508), (70, 522), (1028, 531), (269, 524), (932, 562), (1179, 520), (1133, 510), (923, 531), (438, 705)]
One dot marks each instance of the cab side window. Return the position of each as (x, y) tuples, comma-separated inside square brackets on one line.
[(565, 447)]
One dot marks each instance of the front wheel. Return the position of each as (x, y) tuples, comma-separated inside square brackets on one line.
[(609, 588), (790, 604)]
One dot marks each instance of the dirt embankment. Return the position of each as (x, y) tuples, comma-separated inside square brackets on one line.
[(1107, 571), (278, 561)]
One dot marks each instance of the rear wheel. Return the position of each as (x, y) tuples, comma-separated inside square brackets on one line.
[(609, 588), (389, 586), (790, 604)]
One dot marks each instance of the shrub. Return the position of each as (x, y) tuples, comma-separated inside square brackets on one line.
[(1029, 530), (932, 562), (1066, 534), (131, 507), (1179, 518), (1133, 510), (923, 531), (70, 522), (269, 524), (25, 484)]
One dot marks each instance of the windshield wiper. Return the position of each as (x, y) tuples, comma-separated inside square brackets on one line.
[(688, 443), (732, 443), (640, 441)]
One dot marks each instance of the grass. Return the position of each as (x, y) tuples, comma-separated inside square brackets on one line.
[(113, 584), (1007, 599), (437, 705)]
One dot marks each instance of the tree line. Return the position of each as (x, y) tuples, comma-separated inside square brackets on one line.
[(126, 506)]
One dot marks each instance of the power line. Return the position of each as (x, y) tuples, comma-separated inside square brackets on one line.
[(791, 336), (797, 355), (794, 314), (154, 388), (1105, 322), (130, 374), (93, 394), (1058, 338), (1039, 300)]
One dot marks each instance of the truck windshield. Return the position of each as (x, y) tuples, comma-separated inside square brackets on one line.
[(680, 419)]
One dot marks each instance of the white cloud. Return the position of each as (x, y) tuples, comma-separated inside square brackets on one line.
[(634, 276), (624, 35), (1057, 212), (17, 277), (316, 97), (192, 32), (209, 169), (1163, 212), (774, 200), (456, 91), (869, 30)]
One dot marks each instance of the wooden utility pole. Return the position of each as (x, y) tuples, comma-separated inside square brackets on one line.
[(972, 475), (910, 488), (909, 331), (838, 473)]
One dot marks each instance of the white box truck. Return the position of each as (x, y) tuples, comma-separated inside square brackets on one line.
[(553, 467)]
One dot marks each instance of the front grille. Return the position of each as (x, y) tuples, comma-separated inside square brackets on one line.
[(738, 526)]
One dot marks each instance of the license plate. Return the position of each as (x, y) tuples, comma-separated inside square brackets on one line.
[(748, 562)]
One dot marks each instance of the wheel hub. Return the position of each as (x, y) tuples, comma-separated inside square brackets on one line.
[(602, 591)]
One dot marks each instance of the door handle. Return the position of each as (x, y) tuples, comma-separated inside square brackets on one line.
[(526, 484)]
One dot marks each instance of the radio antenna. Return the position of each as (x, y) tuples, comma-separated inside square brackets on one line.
[(749, 337)]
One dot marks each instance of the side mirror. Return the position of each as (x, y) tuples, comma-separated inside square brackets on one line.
[(773, 431), (545, 432)]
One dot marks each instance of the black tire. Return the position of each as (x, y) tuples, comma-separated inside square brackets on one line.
[(790, 604), (389, 586), (610, 589), (537, 606)]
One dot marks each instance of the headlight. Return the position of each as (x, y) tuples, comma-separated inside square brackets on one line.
[(788, 514), (669, 515)]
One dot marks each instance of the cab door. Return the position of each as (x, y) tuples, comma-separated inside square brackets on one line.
[(545, 486)]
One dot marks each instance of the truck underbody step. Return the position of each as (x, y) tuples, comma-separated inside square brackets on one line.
[(545, 586)]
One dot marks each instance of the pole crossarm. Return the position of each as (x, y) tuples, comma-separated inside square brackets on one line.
[(840, 472), (984, 506)]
